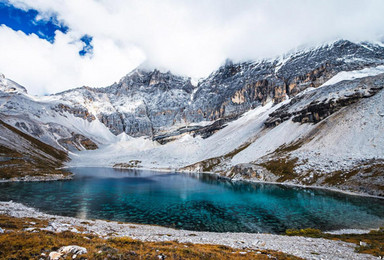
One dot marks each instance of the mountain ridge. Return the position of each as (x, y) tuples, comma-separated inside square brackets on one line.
[(249, 110), (258, 82)]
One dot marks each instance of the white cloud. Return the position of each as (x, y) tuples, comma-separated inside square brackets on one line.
[(44, 68), (187, 37)]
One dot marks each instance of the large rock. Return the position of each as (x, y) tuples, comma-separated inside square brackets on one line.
[(313, 107), (74, 250), (67, 251)]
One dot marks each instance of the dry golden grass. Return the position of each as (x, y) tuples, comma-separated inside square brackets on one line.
[(37, 158), (373, 242), (19, 244), (282, 167)]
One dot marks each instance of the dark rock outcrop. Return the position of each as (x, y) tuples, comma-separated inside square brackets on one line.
[(322, 106), (77, 111), (77, 142)]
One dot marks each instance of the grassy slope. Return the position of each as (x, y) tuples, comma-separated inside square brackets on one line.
[(22, 155)]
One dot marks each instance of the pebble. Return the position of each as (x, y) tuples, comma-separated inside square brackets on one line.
[(54, 255)]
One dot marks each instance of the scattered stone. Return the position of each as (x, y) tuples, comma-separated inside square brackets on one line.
[(78, 250), (363, 243), (132, 253), (54, 255), (108, 249)]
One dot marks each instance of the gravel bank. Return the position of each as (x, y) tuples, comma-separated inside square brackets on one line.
[(309, 248), (49, 177)]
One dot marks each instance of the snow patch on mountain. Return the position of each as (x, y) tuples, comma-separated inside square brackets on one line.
[(355, 74), (95, 129), (182, 152), (268, 141)]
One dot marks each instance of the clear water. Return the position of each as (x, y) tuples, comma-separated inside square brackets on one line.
[(195, 202)]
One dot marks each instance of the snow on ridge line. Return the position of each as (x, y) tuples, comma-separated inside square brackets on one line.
[(346, 76), (354, 74)]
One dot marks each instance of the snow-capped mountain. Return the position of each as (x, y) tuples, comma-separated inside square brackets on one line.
[(312, 117)]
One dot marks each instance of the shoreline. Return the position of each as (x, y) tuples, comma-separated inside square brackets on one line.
[(352, 193), (60, 177), (305, 247), (43, 178)]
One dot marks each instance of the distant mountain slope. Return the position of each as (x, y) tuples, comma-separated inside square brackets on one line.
[(22, 155), (157, 104)]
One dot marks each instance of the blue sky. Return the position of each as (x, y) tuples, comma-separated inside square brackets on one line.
[(28, 21), (51, 46)]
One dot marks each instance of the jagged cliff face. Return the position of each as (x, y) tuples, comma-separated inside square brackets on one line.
[(141, 104), (152, 103), (315, 106), (235, 88), (159, 100)]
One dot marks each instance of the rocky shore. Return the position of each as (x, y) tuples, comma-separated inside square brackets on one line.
[(308, 248), (48, 177)]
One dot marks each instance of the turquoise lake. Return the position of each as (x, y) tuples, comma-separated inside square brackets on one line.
[(195, 202)]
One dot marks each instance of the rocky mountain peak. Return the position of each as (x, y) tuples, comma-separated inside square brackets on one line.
[(154, 102), (9, 86), (148, 102)]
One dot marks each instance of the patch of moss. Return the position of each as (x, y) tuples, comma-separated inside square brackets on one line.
[(307, 232), (370, 243), (286, 148), (239, 149), (339, 177), (39, 159), (374, 169), (282, 167)]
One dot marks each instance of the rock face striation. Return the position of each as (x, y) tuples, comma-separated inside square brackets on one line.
[(314, 106)]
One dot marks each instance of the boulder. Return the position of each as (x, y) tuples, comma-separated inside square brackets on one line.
[(73, 249), (67, 250)]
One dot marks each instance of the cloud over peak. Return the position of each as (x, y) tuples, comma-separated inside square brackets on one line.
[(187, 37)]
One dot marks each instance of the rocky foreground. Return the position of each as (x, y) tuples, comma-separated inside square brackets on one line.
[(304, 247)]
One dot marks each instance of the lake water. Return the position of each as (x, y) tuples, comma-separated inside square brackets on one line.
[(195, 202)]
